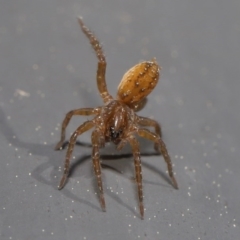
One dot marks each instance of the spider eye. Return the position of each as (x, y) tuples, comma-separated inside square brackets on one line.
[(115, 134)]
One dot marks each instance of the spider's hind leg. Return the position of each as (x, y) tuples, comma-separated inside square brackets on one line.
[(145, 133)]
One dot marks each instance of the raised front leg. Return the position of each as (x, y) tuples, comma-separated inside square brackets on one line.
[(81, 129), (101, 82), (145, 133), (96, 142), (81, 111)]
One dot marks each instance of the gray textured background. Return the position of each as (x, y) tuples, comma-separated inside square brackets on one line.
[(48, 68)]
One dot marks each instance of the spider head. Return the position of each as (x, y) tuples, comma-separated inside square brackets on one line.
[(116, 125), (115, 134)]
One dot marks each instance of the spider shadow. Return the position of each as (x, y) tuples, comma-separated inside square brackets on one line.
[(43, 151)]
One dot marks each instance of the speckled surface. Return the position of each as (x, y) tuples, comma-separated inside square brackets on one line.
[(48, 68)]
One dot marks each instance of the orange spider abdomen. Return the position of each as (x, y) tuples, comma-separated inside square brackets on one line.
[(138, 82)]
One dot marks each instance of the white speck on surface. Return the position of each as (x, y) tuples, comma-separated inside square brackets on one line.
[(208, 165), (21, 93), (193, 140), (172, 70), (214, 144), (207, 128), (38, 128), (180, 125), (219, 135), (35, 66), (70, 68), (174, 54), (204, 71)]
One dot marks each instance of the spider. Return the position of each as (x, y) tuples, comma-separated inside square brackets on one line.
[(116, 121)]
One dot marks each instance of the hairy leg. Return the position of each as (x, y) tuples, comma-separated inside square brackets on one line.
[(102, 64), (138, 171), (96, 136), (81, 129), (145, 133), (148, 122), (81, 111)]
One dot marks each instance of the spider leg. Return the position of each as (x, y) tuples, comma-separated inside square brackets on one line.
[(148, 122), (102, 64), (81, 129), (145, 133), (138, 171), (81, 111), (96, 143)]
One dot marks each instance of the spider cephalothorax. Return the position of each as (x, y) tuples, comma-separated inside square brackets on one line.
[(117, 121)]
